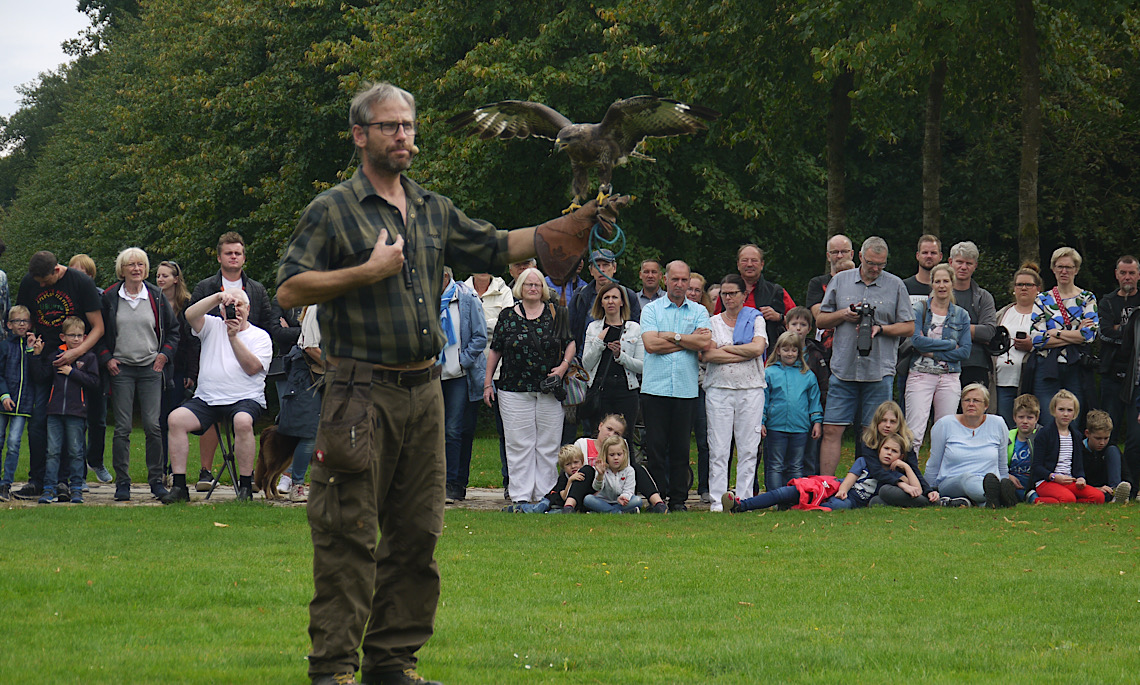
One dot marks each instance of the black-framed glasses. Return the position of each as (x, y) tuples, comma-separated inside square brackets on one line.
[(388, 128), (725, 293)]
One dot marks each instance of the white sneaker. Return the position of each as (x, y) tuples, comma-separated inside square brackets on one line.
[(297, 493), (285, 484)]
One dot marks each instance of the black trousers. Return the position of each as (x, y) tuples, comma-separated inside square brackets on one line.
[(668, 423)]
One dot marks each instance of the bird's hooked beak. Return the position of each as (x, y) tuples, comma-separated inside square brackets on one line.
[(560, 145)]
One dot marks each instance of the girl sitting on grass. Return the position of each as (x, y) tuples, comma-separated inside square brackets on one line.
[(610, 425), (614, 481), (1058, 457), (893, 489)]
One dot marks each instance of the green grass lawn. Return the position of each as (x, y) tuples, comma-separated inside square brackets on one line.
[(165, 594)]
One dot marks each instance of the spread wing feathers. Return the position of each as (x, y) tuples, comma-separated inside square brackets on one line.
[(632, 120), (510, 119)]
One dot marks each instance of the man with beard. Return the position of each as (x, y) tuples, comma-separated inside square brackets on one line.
[(1115, 309), (371, 251), (928, 255)]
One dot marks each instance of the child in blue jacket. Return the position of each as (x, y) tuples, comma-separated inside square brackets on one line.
[(15, 392), (792, 412), (71, 385)]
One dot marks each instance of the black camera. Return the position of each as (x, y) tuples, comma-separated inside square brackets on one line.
[(864, 328), (552, 385), (231, 311)]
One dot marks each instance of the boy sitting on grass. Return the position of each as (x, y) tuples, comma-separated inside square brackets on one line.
[(15, 392), (1102, 460), (1026, 412), (67, 407), (570, 460)]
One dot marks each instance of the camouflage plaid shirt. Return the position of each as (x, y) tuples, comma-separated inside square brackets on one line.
[(388, 322)]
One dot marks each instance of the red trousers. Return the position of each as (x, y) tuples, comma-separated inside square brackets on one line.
[(1055, 493)]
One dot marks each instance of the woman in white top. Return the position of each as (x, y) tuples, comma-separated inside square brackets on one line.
[(1017, 317), (734, 390), (614, 355)]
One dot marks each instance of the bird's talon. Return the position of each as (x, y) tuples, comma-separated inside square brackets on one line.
[(573, 206), (602, 195)]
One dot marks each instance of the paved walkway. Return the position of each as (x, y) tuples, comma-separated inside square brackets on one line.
[(484, 499)]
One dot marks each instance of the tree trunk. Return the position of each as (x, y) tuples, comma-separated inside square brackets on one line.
[(836, 143), (1028, 231), (932, 152)]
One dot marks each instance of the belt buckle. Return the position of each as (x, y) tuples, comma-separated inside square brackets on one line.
[(413, 377)]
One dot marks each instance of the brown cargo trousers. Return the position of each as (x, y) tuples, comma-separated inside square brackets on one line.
[(391, 586)]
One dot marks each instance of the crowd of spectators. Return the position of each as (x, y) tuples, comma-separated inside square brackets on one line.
[(1028, 402)]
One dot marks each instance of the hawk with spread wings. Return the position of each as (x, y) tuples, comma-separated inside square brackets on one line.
[(599, 146)]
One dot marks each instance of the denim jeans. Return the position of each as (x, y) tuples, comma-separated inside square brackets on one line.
[(1006, 394), (302, 455), (855, 402), (145, 383), (964, 485), (786, 494), (459, 416), (12, 431), (1068, 377), (70, 430), (595, 503), (784, 458), (540, 507)]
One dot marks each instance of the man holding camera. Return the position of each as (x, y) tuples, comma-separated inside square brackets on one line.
[(869, 310), (231, 384)]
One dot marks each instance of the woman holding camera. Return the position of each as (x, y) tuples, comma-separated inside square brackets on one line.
[(533, 341), (139, 339), (1017, 318)]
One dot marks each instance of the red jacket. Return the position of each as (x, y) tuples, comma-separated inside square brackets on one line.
[(813, 490)]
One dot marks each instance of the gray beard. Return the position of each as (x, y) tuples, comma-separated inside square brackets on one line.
[(1128, 289)]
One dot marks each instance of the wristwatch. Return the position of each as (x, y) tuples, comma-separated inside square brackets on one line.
[(677, 337)]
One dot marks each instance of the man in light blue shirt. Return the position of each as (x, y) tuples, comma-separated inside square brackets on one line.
[(673, 329)]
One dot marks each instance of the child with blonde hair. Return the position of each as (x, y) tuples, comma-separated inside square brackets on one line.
[(1058, 457), (792, 413), (615, 482), (894, 489), (570, 462)]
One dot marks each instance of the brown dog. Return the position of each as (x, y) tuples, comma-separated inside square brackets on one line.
[(274, 457)]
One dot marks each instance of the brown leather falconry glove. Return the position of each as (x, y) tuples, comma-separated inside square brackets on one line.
[(561, 243)]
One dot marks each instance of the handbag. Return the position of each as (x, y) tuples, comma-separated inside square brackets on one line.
[(592, 404)]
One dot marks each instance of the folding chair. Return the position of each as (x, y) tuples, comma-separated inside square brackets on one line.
[(225, 430)]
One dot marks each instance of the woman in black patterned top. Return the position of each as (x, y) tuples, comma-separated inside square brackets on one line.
[(533, 341)]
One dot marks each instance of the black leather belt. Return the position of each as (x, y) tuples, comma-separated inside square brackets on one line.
[(407, 379)]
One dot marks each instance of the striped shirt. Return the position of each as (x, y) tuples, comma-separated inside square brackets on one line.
[(389, 322)]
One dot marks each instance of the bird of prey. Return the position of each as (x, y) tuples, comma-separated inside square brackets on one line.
[(599, 146)]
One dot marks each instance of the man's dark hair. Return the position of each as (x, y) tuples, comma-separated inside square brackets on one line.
[(229, 238), (42, 264)]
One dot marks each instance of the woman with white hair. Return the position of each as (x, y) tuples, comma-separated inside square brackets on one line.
[(533, 341), (1065, 322), (140, 337), (969, 453)]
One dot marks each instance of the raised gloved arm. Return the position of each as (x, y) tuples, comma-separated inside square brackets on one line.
[(561, 243)]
